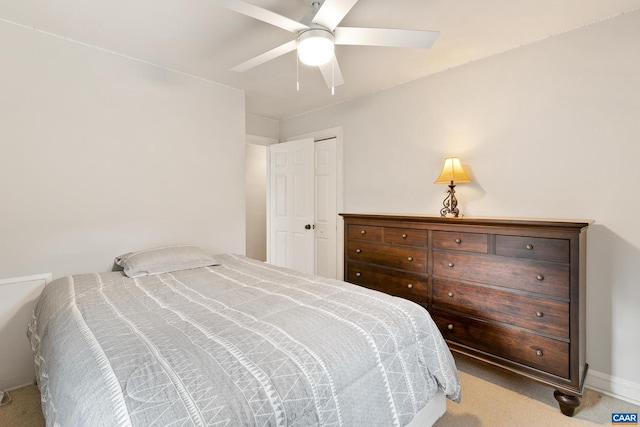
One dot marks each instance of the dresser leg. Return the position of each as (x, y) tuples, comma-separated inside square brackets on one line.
[(568, 404)]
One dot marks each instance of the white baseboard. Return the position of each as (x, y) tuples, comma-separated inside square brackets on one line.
[(613, 386), (21, 386)]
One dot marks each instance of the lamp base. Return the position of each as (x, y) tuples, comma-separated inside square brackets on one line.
[(450, 203)]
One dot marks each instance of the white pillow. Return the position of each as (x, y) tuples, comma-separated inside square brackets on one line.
[(164, 260)]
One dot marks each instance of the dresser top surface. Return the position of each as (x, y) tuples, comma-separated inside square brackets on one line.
[(473, 220)]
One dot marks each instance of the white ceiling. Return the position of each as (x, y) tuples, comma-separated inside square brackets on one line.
[(198, 38)]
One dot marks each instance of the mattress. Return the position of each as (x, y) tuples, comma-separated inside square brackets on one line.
[(242, 343)]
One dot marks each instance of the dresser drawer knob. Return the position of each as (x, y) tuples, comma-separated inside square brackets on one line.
[(450, 265), (539, 353), (539, 314), (363, 232), (410, 286), (450, 327), (528, 247), (450, 294), (358, 274), (458, 241), (540, 277), (410, 258), (358, 251), (404, 236)]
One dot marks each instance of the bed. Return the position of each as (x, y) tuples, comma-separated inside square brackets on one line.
[(180, 338)]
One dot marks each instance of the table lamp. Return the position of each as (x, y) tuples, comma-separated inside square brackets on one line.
[(452, 174)]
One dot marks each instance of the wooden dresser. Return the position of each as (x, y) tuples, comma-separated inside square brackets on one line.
[(510, 292)]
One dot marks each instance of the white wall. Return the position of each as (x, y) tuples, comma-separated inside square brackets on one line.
[(262, 127), (548, 130), (101, 154), (261, 132), (256, 202)]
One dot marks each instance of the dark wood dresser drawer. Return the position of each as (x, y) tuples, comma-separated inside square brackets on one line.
[(508, 291), (543, 315), (364, 232), (405, 285), (395, 256), (556, 250), (405, 236), (528, 275), (460, 241), (509, 343)]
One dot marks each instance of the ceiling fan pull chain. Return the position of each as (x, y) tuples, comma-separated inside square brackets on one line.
[(297, 73), (333, 75)]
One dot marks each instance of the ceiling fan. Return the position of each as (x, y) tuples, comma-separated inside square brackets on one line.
[(318, 33)]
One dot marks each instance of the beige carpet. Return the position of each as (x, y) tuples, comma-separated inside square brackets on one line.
[(24, 409), (491, 397)]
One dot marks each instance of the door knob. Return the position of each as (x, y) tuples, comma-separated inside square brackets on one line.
[(307, 227)]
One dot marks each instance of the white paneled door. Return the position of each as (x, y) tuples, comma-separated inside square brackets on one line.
[(303, 206), (326, 213), (292, 205)]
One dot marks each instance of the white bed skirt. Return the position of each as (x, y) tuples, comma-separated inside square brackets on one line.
[(428, 415)]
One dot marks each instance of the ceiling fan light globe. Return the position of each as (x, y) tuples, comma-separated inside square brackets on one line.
[(315, 47)]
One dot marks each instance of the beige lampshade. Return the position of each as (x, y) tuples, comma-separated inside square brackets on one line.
[(452, 172)]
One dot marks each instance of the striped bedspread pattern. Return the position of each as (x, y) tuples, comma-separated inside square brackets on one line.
[(241, 343)]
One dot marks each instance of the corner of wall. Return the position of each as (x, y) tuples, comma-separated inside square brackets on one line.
[(262, 126)]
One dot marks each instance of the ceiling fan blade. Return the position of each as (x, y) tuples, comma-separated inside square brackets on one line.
[(267, 56), (385, 37), (331, 73), (332, 12), (261, 14)]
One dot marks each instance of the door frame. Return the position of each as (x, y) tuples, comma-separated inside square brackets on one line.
[(337, 133)]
